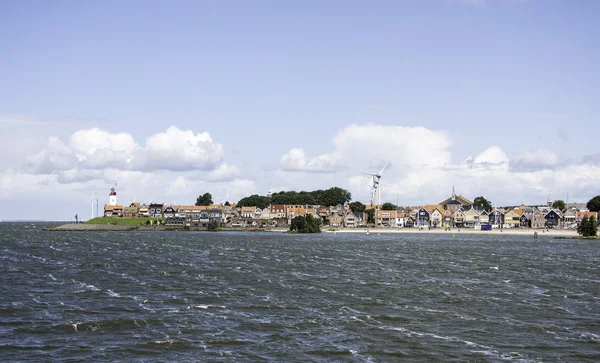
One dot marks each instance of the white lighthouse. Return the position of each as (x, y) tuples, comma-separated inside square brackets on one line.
[(112, 197)]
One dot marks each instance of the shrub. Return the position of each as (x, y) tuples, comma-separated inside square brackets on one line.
[(588, 227), (213, 226), (308, 224)]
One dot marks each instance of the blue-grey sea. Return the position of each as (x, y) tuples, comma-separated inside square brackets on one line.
[(277, 297)]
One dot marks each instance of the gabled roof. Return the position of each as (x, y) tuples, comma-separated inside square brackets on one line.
[(459, 198), (432, 207)]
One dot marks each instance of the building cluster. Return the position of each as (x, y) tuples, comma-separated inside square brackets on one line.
[(454, 212)]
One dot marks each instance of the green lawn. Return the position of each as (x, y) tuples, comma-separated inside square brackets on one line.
[(122, 221)]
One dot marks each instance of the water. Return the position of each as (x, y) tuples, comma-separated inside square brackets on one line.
[(184, 296)]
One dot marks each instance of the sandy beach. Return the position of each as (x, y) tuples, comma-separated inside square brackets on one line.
[(455, 231)]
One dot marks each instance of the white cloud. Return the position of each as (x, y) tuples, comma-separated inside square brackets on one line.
[(178, 150), (536, 160), (173, 149), (296, 160), (414, 146), (491, 158), (224, 172)]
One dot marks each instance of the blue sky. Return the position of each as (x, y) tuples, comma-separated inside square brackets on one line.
[(494, 97)]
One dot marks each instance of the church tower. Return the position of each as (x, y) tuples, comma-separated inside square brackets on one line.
[(112, 197)]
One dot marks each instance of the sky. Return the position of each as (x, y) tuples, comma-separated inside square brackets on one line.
[(170, 100)]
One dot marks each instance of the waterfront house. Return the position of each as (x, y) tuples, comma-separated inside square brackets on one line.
[(459, 218), (422, 218), (471, 218), (132, 211), (552, 219), (512, 219), (337, 216), (323, 212), (400, 219), (257, 213), (277, 211), (170, 212), (496, 218), (155, 210), (143, 211), (190, 214), (266, 213), (484, 217), (295, 210), (581, 215), (447, 218), (435, 217), (215, 215), (570, 218), (360, 218), (113, 210), (524, 220), (350, 220), (248, 212), (538, 220), (385, 218)]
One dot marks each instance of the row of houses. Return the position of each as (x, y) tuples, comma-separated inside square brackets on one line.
[(454, 212)]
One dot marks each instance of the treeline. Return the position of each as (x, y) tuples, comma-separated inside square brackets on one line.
[(328, 197)]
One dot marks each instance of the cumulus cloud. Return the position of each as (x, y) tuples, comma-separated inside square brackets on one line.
[(224, 172), (536, 160), (297, 160), (173, 149), (399, 144), (178, 150), (491, 158)]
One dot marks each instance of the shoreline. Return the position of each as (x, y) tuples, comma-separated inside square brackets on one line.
[(454, 231)]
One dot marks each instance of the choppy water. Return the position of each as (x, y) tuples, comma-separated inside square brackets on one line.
[(184, 296)]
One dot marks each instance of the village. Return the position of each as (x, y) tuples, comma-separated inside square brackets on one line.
[(454, 212)]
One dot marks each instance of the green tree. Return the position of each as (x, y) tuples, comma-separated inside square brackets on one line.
[(594, 204), (370, 215), (308, 224), (559, 204), (334, 196), (254, 200), (482, 202), (357, 207), (227, 203), (329, 197), (204, 199), (583, 225), (388, 206), (588, 227), (593, 226)]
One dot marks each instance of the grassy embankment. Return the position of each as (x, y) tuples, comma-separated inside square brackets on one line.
[(123, 221)]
